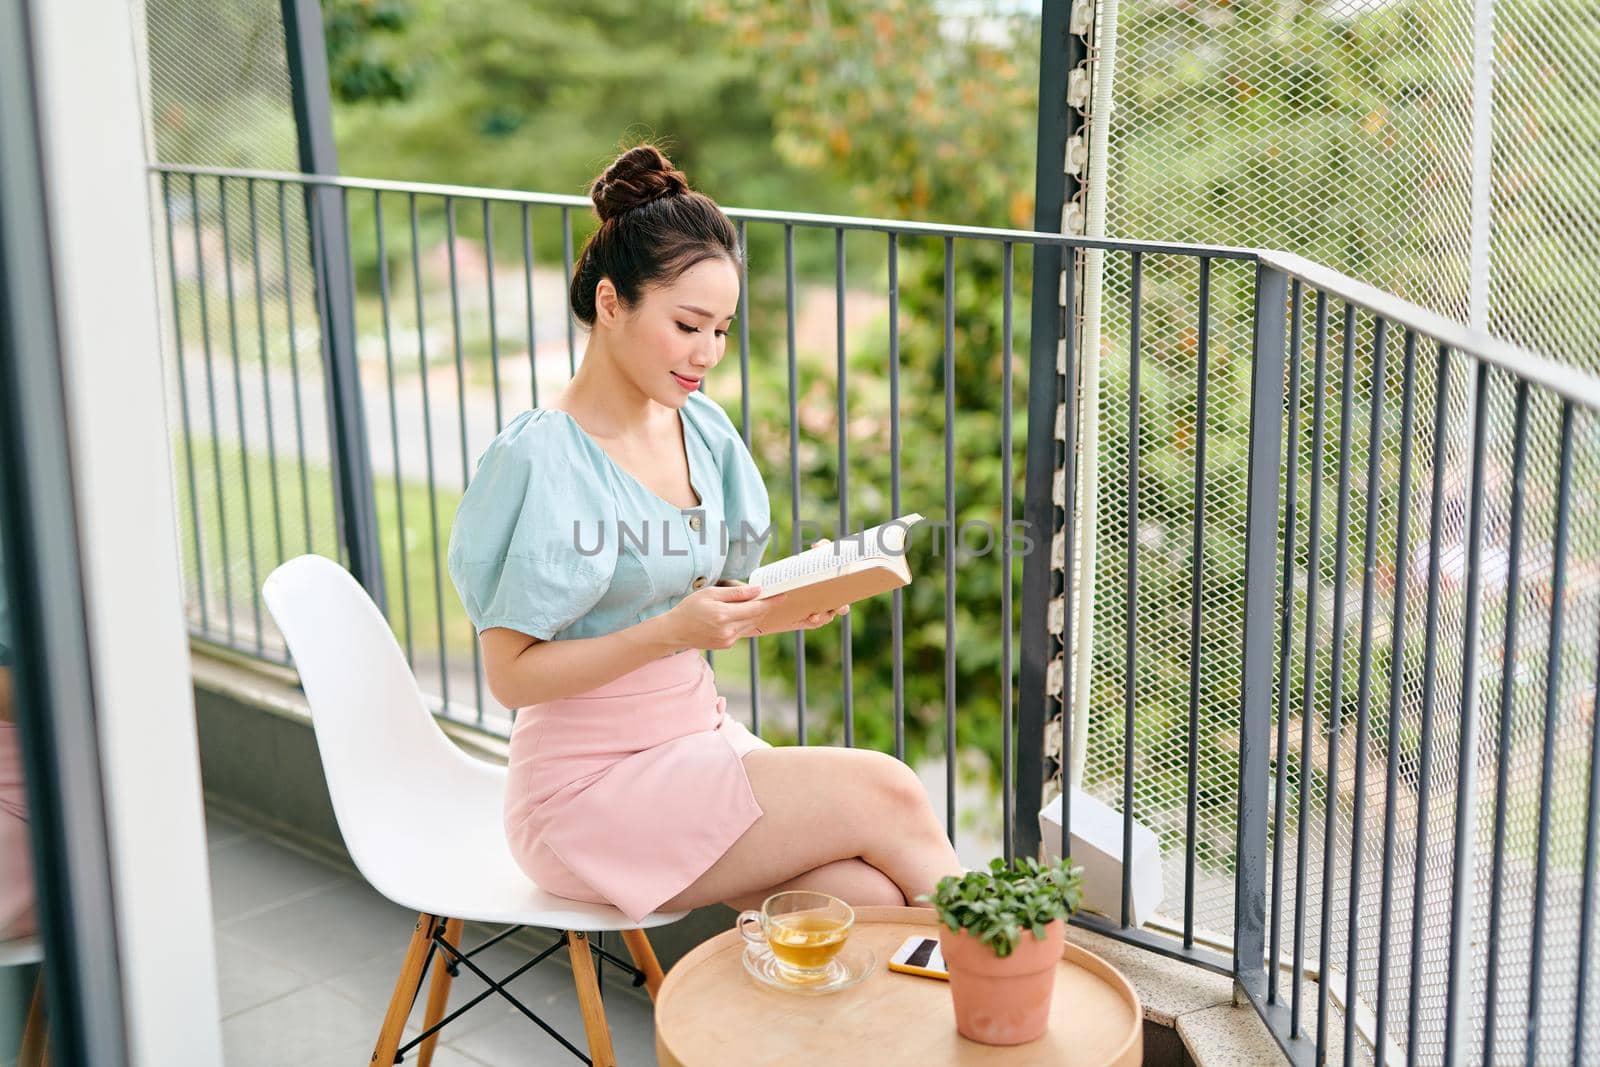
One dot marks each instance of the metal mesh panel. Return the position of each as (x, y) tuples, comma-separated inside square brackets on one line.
[(1163, 550), (1345, 133), (219, 84), (1544, 222)]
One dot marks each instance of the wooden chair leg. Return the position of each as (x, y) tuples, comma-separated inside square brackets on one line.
[(405, 991), (644, 958), (438, 992), (35, 1032), (594, 1012)]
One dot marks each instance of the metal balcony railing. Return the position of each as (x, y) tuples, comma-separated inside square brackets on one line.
[(1362, 540)]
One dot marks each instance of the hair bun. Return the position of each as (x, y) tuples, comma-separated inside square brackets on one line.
[(634, 179)]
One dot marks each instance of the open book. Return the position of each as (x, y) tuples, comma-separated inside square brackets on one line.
[(833, 574)]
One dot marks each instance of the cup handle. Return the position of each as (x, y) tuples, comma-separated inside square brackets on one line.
[(742, 925)]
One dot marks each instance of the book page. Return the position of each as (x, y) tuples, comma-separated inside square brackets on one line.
[(890, 538)]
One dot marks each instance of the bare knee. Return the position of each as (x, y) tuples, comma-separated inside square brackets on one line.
[(902, 793)]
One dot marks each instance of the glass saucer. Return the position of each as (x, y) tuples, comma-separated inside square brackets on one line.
[(853, 963)]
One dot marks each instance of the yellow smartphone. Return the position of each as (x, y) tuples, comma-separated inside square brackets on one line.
[(919, 955)]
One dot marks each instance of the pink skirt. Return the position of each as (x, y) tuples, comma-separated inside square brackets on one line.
[(626, 794), (16, 866)]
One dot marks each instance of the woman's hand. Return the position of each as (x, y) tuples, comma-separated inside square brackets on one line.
[(814, 621), (716, 616)]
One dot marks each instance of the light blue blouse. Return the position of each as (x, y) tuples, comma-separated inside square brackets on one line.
[(555, 540)]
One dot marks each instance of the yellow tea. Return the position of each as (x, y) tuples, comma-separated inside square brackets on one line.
[(807, 942)]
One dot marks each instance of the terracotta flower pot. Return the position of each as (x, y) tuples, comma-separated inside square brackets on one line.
[(1002, 1000)]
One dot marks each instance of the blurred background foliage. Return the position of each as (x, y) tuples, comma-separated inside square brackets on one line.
[(907, 110), (884, 108)]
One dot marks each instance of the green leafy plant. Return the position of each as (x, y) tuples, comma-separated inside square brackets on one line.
[(998, 904)]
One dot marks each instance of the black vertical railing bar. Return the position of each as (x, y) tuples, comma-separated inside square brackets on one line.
[(1552, 675), (1038, 647), (1291, 482), (294, 361), (1319, 380), (1468, 747), (1261, 549), (841, 396), (1007, 798), (494, 332), (364, 460), (183, 403), (1341, 544), (266, 374), (950, 537), (394, 425), (1508, 673), (1129, 694), (752, 648), (1045, 456), (897, 601), (1060, 52), (566, 265), (461, 419), (1066, 390), (1197, 566), (1402, 555), (1591, 860), (1369, 572), (1467, 754), (744, 331), (338, 469), (1429, 698), (427, 451), (527, 297), (794, 471), (238, 404), (351, 467)]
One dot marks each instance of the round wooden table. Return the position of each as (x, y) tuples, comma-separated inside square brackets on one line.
[(711, 1012)]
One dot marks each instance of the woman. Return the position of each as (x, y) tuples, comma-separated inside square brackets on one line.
[(601, 546)]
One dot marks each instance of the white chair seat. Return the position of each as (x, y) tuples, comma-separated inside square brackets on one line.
[(466, 869), (20, 951)]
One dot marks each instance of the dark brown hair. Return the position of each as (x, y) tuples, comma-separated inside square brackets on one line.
[(653, 227)]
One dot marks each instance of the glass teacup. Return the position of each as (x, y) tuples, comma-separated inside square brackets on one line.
[(804, 930)]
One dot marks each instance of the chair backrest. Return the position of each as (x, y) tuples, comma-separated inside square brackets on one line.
[(392, 773)]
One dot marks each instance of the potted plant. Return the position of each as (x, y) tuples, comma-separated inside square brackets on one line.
[(1001, 934)]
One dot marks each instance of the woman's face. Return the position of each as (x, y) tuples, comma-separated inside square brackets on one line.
[(677, 332)]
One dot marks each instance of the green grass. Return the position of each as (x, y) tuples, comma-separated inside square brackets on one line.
[(247, 520)]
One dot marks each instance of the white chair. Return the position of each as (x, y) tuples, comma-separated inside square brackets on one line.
[(422, 818)]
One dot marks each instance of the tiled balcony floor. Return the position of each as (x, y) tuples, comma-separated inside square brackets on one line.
[(307, 955)]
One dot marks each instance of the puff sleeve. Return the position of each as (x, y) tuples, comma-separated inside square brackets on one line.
[(746, 509), (516, 547)]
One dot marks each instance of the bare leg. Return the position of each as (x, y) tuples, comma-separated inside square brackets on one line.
[(854, 881), (821, 804)]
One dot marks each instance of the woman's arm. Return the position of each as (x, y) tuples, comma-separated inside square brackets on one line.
[(524, 670)]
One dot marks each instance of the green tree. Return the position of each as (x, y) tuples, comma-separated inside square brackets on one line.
[(924, 116)]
